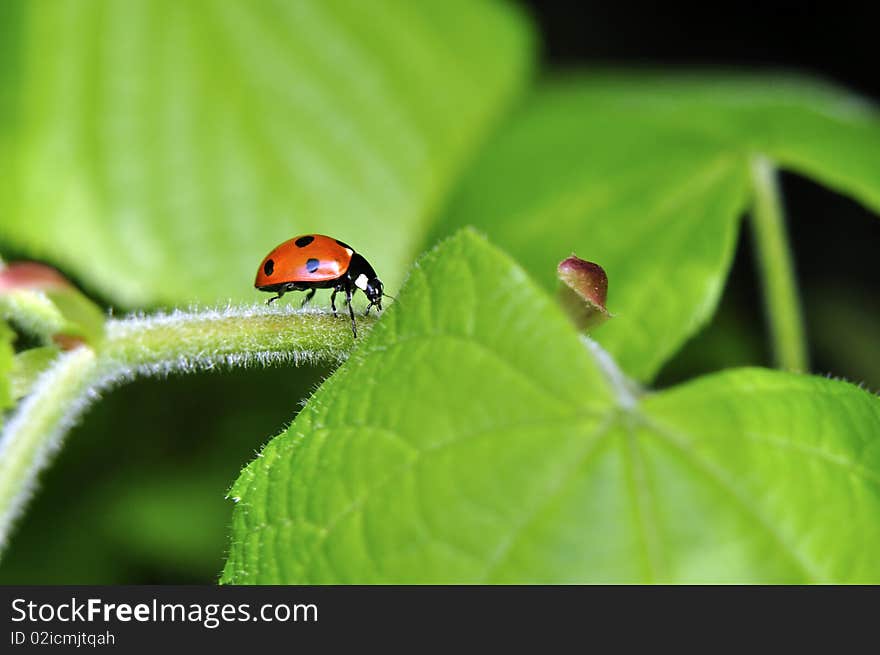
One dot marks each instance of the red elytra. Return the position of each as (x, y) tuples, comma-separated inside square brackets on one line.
[(316, 261)]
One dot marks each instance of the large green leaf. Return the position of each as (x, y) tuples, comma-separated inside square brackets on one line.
[(475, 437), (648, 176), (163, 147)]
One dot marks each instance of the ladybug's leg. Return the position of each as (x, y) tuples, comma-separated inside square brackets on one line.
[(351, 312), (333, 300), (269, 302), (377, 304), (307, 299)]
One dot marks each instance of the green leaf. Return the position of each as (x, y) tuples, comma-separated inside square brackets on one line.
[(193, 137), (648, 176), (761, 476), (475, 437)]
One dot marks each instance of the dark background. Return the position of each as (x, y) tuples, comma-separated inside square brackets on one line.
[(835, 39), (151, 510)]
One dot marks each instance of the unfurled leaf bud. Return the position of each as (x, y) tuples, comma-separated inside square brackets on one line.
[(585, 292)]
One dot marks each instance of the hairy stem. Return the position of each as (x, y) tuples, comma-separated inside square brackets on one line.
[(776, 267), (153, 345), (34, 432)]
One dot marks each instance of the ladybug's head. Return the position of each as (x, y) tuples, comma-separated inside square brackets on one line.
[(374, 291), (366, 280)]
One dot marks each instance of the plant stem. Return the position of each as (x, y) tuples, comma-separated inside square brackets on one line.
[(153, 345), (776, 268), (198, 340), (34, 433)]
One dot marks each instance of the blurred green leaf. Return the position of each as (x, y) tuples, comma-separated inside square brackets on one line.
[(647, 175), (163, 147), (475, 437)]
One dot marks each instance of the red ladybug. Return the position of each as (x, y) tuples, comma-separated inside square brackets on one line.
[(315, 261)]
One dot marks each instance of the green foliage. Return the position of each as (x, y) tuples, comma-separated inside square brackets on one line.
[(192, 137), (475, 437), (473, 434), (648, 175)]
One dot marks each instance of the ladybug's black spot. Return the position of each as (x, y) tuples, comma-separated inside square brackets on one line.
[(312, 265), (343, 244), (268, 267), (302, 242)]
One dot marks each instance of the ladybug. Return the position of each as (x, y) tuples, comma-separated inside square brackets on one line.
[(314, 261)]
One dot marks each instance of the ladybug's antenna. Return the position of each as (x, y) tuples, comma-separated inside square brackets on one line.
[(388, 295)]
